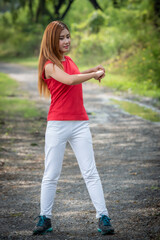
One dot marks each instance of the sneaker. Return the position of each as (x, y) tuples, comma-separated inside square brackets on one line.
[(43, 226), (105, 226)]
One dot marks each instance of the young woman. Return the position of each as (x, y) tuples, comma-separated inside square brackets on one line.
[(67, 121)]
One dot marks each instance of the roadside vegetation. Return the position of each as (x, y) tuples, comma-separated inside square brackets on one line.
[(125, 39), (14, 103)]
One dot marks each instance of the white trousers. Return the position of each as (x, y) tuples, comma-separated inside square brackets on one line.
[(78, 134)]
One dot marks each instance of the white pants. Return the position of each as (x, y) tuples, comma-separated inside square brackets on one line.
[(77, 133)]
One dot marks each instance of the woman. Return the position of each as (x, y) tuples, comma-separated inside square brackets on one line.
[(67, 121)]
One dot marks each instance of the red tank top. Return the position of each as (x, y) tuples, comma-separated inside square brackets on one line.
[(66, 100)]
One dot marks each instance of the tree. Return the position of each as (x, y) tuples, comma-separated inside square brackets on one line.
[(156, 8), (41, 9)]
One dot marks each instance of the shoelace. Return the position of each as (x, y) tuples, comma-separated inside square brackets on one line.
[(41, 220), (105, 220)]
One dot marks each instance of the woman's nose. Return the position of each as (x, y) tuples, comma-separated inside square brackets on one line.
[(66, 40)]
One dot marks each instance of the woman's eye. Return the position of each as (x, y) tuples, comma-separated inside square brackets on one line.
[(62, 38)]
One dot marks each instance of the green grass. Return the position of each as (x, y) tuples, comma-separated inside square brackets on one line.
[(116, 78), (135, 109), (8, 86), (26, 61), (11, 103), (126, 83)]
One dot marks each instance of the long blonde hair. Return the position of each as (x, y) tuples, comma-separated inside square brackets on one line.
[(49, 50)]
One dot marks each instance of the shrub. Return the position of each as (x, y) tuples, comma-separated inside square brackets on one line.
[(96, 20)]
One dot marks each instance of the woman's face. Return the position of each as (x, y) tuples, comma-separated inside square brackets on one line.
[(64, 41)]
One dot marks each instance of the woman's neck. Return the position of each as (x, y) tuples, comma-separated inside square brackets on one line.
[(63, 58)]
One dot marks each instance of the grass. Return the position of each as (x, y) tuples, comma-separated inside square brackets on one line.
[(11, 103), (135, 109), (26, 61), (115, 78), (126, 83)]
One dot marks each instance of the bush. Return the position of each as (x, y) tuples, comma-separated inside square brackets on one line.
[(20, 40), (96, 20)]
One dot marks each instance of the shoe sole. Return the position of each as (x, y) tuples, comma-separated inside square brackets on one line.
[(43, 233), (111, 231)]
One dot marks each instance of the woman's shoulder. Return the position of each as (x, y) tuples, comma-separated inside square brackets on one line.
[(69, 58), (73, 65), (45, 68), (47, 62), (66, 57)]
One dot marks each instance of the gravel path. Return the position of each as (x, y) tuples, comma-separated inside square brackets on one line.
[(127, 152)]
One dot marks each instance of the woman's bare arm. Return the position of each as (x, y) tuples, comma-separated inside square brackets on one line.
[(55, 72), (95, 69), (89, 70)]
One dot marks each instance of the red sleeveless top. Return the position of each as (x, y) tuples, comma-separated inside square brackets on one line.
[(66, 100)]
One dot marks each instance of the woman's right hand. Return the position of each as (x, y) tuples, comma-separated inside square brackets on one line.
[(98, 74)]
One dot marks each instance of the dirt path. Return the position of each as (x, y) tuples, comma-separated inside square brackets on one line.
[(127, 152)]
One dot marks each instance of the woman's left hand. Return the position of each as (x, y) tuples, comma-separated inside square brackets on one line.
[(100, 67)]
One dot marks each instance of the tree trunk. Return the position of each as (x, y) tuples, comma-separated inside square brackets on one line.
[(40, 9), (30, 9), (156, 8)]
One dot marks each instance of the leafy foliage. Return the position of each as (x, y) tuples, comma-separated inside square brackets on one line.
[(10, 102), (96, 21), (124, 37)]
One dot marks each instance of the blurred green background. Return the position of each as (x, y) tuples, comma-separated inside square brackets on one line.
[(122, 35)]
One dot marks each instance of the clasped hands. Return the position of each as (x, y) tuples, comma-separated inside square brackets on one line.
[(100, 70)]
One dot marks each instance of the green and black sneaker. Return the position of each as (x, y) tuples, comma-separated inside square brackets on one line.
[(43, 226), (104, 225)]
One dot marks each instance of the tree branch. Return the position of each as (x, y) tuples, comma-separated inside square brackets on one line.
[(95, 4), (67, 9), (58, 6)]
